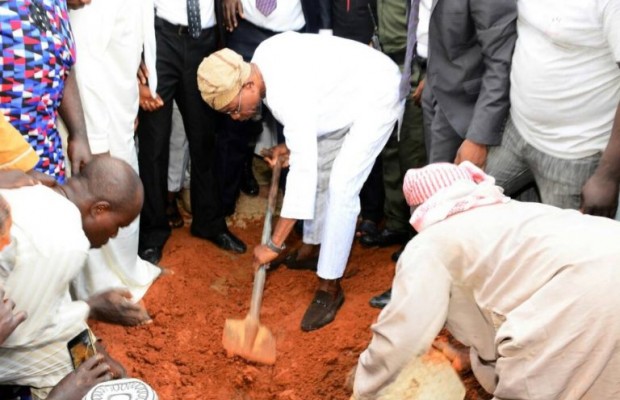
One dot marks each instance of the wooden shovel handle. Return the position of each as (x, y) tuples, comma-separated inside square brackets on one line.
[(259, 276)]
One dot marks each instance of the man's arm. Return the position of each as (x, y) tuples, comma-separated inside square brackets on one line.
[(72, 114), (495, 22), (409, 323), (262, 253), (230, 10), (599, 195)]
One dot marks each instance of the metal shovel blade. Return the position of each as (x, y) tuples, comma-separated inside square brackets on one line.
[(249, 339)]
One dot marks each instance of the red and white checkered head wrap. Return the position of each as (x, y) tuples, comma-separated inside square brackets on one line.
[(441, 190), (422, 183)]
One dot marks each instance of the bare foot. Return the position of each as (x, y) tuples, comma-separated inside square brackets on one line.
[(115, 307), (75, 385), (458, 355)]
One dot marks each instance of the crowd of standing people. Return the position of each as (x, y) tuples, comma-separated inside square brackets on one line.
[(357, 93)]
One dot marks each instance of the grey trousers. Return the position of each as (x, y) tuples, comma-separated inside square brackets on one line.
[(328, 147), (178, 161), (441, 140), (515, 163)]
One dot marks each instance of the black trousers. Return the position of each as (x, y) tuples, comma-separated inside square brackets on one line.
[(178, 58)]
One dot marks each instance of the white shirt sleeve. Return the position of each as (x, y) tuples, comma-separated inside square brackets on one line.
[(409, 323), (296, 108), (301, 181)]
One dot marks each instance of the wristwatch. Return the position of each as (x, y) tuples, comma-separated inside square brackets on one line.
[(272, 246)]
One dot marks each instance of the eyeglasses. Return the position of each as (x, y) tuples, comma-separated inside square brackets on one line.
[(238, 110)]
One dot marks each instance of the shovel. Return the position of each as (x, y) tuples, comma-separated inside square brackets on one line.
[(247, 337)]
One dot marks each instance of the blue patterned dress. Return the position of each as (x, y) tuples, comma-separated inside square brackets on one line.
[(37, 54)]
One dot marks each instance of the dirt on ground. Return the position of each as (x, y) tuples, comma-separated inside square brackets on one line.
[(181, 356)]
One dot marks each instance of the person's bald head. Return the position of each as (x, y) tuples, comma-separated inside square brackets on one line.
[(109, 194)]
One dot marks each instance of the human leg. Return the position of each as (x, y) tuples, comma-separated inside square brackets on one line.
[(372, 195), (560, 181), (401, 154), (234, 150), (361, 146), (231, 158), (507, 162), (200, 126), (153, 155), (177, 165), (442, 141), (307, 256)]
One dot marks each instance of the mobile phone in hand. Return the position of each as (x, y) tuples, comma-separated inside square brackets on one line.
[(81, 347)]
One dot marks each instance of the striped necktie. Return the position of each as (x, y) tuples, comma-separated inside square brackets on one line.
[(266, 7), (193, 18)]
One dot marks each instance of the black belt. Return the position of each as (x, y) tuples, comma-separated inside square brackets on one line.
[(180, 30)]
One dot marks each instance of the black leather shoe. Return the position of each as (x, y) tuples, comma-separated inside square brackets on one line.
[(385, 238), (227, 241), (150, 254), (249, 185), (309, 261), (322, 310), (381, 300)]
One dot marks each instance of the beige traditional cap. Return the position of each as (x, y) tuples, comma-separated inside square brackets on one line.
[(221, 76)]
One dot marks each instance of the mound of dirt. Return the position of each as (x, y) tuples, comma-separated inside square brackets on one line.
[(181, 356)]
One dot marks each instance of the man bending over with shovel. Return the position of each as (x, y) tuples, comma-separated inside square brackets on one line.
[(339, 102)]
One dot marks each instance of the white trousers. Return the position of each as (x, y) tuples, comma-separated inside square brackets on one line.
[(338, 202)]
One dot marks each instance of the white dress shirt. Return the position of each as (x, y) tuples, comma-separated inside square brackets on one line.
[(424, 20), (175, 12), (288, 16)]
